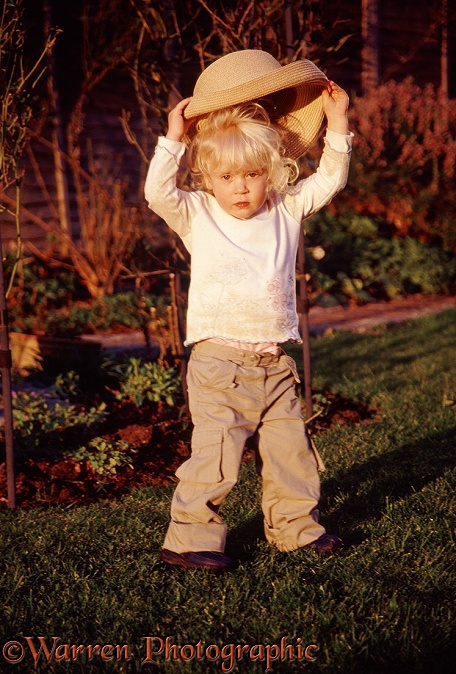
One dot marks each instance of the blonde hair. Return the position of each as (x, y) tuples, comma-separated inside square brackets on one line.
[(236, 138)]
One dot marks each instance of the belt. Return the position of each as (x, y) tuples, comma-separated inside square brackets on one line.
[(238, 356)]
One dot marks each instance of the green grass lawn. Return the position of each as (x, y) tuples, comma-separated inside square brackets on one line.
[(386, 604)]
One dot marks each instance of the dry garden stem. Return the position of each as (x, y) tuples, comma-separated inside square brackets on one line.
[(91, 575)]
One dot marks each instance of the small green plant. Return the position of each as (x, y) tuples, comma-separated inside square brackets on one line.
[(152, 382), (104, 456), (321, 404), (39, 423), (67, 385)]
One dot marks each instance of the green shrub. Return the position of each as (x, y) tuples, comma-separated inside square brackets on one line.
[(52, 310), (356, 262), (38, 288)]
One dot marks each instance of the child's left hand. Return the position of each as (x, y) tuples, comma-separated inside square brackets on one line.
[(335, 107)]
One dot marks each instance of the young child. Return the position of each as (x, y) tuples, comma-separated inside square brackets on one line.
[(241, 225)]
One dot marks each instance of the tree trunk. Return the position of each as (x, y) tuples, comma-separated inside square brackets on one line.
[(370, 50), (444, 48), (61, 181)]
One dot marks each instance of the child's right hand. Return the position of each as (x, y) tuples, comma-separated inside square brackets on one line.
[(177, 124)]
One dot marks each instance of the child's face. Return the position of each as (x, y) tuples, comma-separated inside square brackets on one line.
[(240, 193)]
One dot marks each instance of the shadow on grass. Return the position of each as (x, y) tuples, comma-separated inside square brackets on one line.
[(369, 485), (242, 540), (436, 660), (390, 476), (349, 352)]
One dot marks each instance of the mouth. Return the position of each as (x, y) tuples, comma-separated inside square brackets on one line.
[(242, 204)]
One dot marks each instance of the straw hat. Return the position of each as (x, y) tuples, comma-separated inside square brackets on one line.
[(291, 94)]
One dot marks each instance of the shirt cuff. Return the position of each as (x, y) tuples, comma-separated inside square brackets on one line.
[(339, 141), (174, 147)]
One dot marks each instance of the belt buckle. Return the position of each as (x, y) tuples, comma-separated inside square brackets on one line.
[(254, 358)]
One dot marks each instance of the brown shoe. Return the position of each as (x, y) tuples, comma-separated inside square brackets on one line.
[(326, 544), (212, 561)]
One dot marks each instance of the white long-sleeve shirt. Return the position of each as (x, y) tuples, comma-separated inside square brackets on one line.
[(243, 271)]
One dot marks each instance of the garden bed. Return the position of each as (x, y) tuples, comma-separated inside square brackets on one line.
[(158, 441)]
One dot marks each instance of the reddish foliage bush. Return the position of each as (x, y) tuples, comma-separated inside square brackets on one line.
[(404, 160)]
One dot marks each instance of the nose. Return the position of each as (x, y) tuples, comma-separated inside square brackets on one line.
[(240, 185)]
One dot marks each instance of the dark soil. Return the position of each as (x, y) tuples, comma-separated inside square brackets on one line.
[(160, 438)]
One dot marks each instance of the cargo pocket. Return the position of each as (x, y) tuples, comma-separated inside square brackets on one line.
[(205, 464)]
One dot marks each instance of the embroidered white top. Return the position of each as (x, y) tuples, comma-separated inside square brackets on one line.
[(243, 271)]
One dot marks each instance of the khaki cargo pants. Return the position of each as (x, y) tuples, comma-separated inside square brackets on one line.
[(234, 395)]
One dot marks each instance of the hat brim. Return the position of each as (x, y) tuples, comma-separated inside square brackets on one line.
[(295, 104), (300, 74)]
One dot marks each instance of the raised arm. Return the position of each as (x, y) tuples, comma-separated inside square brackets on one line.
[(311, 194), (173, 205)]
